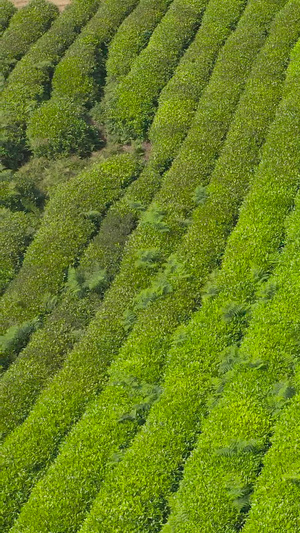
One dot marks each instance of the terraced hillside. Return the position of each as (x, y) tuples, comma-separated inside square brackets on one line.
[(149, 266)]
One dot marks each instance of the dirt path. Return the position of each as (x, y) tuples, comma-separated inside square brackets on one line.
[(60, 3)]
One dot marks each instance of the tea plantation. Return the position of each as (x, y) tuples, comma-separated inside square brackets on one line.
[(150, 266)]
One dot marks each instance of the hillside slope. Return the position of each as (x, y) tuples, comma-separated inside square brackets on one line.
[(149, 266)]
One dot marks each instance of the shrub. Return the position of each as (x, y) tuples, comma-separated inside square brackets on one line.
[(58, 128), (7, 11), (42, 358), (139, 358), (125, 215), (38, 179), (16, 338), (26, 27), (179, 98), (29, 83), (76, 83), (56, 245), (16, 231), (275, 493), (248, 410), (245, 408), (132, 36), (134, 490), (81, 72), (133, 106)]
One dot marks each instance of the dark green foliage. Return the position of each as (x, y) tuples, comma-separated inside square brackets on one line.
[(59, 128), (9, 195), (29, 83), (37, 180), (237, 447), (200, 195), (210, 288), (234, 311), (157, 290), (239, 495), (79, 283), (74, 282), (26, 27), (7, 9), (56, 244), (96, 280), (16, 231), (229, 358), (161, 285), (29, 188), (16, 338), (148, 258), (13, 198), (155, 218), (129, 318)]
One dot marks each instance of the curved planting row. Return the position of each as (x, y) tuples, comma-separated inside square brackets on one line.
[(179, 98), (25, 27), (76, 204), (7, 10), (156, 236), (59, 126), (16, 229), (166, 60), (33, 371), (275, 500), (83, 372), (224, 465), (29, 83), (132, 37), (133, 105), (82, 296), (135, 494)]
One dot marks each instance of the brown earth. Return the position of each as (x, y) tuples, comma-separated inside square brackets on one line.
[(60, 3)]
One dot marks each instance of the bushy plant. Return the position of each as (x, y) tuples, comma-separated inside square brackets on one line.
[(252, 397), (154, 216), (59, 128), (7, 10), (15, 338), (128, 495), (25, 28), (76, 84), (16, 231), (80, 75), (29, 83), (56, 245), (148, 258), (78, 283), (106, 333)]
